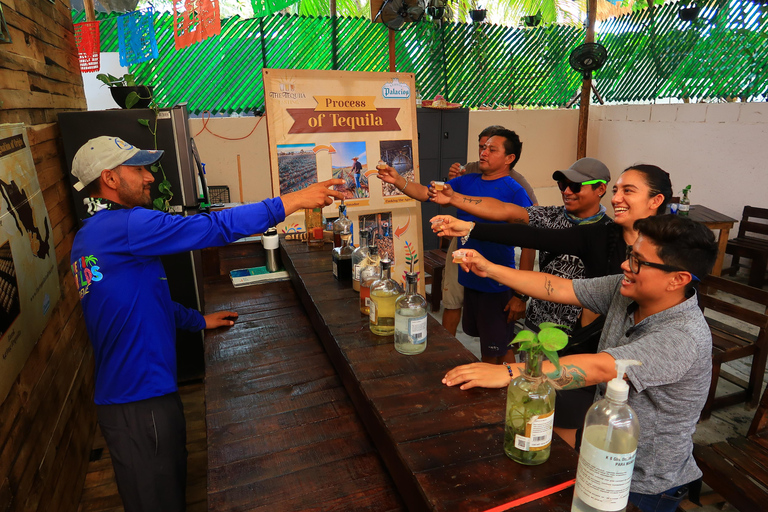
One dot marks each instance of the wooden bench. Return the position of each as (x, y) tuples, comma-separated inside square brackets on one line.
[(737, 469), (746, 245), (730, 343)]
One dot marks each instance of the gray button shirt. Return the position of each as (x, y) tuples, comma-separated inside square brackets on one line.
[(669, 390)]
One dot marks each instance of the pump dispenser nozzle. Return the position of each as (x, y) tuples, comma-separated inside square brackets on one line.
[(618, 389)]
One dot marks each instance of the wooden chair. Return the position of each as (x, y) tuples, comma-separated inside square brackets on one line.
[(730, 343), (737, 469), (434, 265), (752, 243)]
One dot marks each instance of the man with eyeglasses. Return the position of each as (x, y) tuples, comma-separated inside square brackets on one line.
[(652, 315)]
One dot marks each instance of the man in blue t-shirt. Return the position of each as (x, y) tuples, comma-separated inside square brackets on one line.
[(484, 299), (130, 317)]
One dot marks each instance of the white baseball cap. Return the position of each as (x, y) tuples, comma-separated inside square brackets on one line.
[(103, 153)]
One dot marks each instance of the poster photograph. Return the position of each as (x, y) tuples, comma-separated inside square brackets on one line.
[(350, 164), (342, 124), (29, 281), (399, 155), (297, 166)]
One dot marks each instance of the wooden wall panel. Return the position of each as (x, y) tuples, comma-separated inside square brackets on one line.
[(48, 420)]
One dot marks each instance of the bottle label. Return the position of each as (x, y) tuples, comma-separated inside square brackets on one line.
[(357, 272), (538, 433), (603, 478), (683, 207), (372, 315), (335, 270), (417, 329), (368, 302)]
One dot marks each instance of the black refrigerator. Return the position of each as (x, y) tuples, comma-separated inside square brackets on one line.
[(183, 170)]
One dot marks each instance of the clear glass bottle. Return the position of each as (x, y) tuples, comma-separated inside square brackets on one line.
[(359, 256), (608, 450), (340, 225), (384, 294), (530, 415), (411, 319), (342, 257), (313, 221), (370, 272)]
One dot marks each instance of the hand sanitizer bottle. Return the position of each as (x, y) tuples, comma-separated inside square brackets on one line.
[(608, 448)]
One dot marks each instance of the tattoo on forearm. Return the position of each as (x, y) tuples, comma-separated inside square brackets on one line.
[(548, 286), (472, 201), (570, 377)]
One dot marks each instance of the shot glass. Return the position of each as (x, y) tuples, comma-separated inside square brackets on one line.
[(458, 255), (381, 165), (439, 185)]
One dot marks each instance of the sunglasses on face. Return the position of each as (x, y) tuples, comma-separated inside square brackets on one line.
[(636, 263), (576, 187)]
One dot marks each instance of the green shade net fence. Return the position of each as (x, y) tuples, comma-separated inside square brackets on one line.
[(651, 54)]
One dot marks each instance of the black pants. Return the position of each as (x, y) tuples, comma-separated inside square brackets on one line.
[(147, 441)]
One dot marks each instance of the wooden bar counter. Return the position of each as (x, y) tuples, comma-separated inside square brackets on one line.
[(442, 446)]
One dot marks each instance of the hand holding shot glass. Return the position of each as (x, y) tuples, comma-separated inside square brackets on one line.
[(440, 192), (446, 225)]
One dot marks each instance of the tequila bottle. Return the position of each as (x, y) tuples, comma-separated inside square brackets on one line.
[(371, 271), (342, 257), (341, 225), (359, 257), (384, 293), (410, 319)]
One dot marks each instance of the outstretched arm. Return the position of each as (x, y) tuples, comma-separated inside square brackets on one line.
[(577, 371), (484, 207), (313, 196), (534, 284), (413, 190)]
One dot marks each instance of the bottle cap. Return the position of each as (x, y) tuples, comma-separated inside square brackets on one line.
[(618, 389), (385, 264), (373, 249)]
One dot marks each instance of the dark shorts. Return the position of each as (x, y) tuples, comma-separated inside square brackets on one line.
[(571, 406), (484, 316), (147, 442)]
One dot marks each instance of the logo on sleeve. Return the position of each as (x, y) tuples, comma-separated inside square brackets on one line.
[(86, 271)]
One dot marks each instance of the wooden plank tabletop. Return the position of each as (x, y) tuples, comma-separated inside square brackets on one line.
[(442, 446), (282, 432)]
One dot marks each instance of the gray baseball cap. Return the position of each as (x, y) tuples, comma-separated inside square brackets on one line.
[(584, 169), (103, 153)]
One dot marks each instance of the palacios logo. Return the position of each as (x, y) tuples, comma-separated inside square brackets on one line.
[(86, 271), (396, 90)]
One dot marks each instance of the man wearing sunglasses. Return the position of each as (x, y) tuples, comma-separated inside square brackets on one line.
[(652, 315)]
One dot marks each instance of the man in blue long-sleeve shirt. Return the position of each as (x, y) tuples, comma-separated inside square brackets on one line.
[(130, 317)]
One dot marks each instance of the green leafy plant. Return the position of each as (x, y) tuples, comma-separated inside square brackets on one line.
[(547, 341), (162, 203), (127, 80), (531, 395)]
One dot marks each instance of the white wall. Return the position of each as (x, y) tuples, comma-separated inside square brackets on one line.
[(549, 143), (97, 94), (220, 155), (720, 149)]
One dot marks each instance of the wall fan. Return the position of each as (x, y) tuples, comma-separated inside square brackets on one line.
[(585, 59), (396, 13)]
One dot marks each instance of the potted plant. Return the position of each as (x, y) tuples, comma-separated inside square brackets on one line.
[(477, 15), (125, 92), (531, 398)]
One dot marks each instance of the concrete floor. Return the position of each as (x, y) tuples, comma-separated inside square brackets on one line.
[(724, 423)]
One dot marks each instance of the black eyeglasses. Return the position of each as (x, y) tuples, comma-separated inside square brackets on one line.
[(635, 263), (576, 187)]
